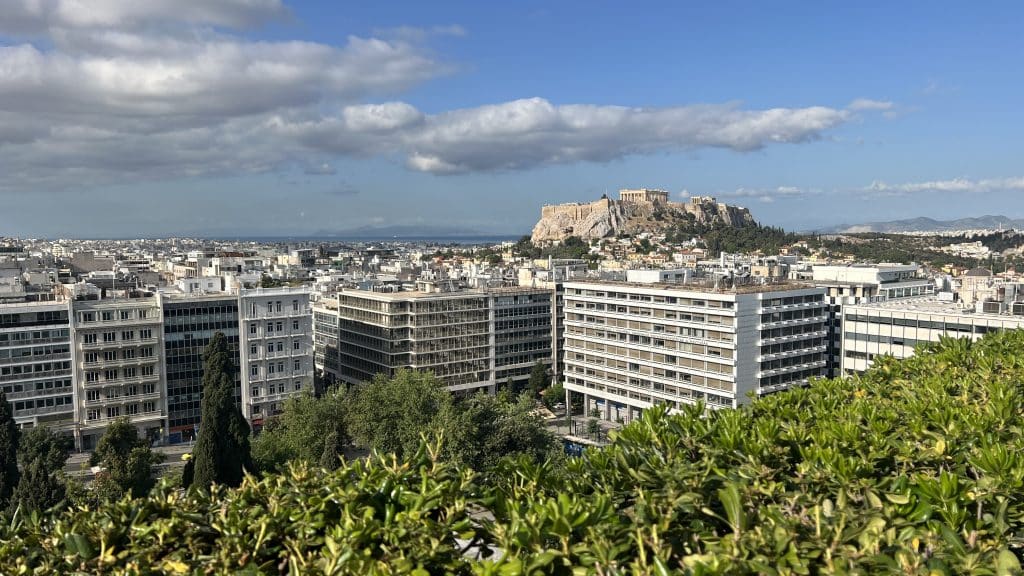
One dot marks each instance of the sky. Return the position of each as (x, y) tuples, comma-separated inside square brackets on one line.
[(273, 118)]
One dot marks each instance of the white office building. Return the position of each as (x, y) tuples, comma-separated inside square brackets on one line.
[(630, 345)]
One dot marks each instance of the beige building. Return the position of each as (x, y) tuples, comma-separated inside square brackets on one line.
[(118, 367), (644, 195)]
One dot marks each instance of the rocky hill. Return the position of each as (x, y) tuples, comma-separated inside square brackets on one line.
[(606, 217)]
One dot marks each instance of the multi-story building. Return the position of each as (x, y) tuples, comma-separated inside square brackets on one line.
[(276, 349), (36, 364), (118, 350), (471, 339), (632, 345), (855, 284), (190, 321), (326, 356), (895, 327)]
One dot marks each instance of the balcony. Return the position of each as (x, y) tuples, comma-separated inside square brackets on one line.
[(141, 417), (120, 400)]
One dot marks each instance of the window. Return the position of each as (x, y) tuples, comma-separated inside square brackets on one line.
[(113, 411), (252, 309), (126, 314), (92, 415), (270, 327), (149, 406), (280, 326), (129, 353), (270, 347), (146, 352), (89, 339), (88, 316), (92, 395), (254, 370), (132, 390), (145, 334), (253, 350), (147, 370), (295, 345), (149, 388), (295, 305), (143, 314), (110, 336), (92, 376), (111, 374), (252, 329), (255, 392), (129, 372), (132, 409), (128, 335), (107, 316), (91, 358), (256, 409), (298, 385), (270, 368), (280, 346), (109, 356), (297, 365), (295, 324), (278, 306), (280, 367)]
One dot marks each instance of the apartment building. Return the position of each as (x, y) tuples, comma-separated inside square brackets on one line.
[(36, 364), (895, 327), (471, 339), (276, 349), (189, 322), (118, 359), (630, 345)]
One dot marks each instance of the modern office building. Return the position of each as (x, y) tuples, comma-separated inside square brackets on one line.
[(855, 284), (326, 355), (895, 327), (118, 361), (276, 349), (631, 345), (189, 322), (471, 339), (36, 364)]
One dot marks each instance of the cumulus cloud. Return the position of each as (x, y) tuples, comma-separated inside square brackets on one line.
[(111, 91), (964, 185)]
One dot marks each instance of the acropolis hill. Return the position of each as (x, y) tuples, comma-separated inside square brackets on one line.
[(635, 211)]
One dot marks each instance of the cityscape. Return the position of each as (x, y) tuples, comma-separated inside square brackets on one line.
[(279, 301)]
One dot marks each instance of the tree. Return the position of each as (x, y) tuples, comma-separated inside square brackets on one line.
[(222, 452), (8, 451), (553, 395), (127, 459), (539, 379), (310, 429), (390, 414), (42, 455)]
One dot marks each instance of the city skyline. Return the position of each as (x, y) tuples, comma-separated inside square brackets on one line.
[(263, 118)]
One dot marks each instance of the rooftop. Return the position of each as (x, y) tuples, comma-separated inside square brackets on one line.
[(930, 305), (705, 286)]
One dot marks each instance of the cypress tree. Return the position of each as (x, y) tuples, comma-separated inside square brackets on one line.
[(222, 449), (8, 451)]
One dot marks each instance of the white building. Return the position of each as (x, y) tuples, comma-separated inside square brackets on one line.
[(118, 359), (276, 349), (629, 346), (896, 327)]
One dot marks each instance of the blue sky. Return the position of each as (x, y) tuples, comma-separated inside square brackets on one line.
[(256, 117)]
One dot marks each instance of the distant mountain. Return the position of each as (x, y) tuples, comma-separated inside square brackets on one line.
[(932, 225)]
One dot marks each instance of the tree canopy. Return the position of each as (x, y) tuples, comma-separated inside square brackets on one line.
[(222, 451), (126, 459), (8, 451)]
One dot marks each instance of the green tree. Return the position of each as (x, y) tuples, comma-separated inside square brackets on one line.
[(222, 452), (308, 429), (553, 395), (8, 451), (539, 379), (42, 455), (390, 414), (127, 459), (481, 430)]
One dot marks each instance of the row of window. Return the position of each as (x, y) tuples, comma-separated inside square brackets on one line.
[(116, 412), (33, 337), (111, 337), (274, 368), (115, 392), (111, 315), (271, 327), (93, 376), (923, 324), (48, 402), (42, 385)]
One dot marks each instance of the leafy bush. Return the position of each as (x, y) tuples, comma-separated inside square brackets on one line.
[(916, 467)]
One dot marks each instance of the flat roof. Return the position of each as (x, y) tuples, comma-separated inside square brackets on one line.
[(929, 306), (753, 288), (467, 293)]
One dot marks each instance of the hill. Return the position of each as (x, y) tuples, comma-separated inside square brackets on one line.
[(606, 217), (915, 467), (931, 225)]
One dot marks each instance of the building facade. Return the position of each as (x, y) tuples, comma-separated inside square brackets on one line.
[(471, 339), (36, 365), (326, 354), (630, 346), (895, 328), (118, 367), (276, 349), (189, 322)]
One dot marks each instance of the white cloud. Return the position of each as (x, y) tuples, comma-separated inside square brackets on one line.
[(767, 194), (867, 105), (964, 185)]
